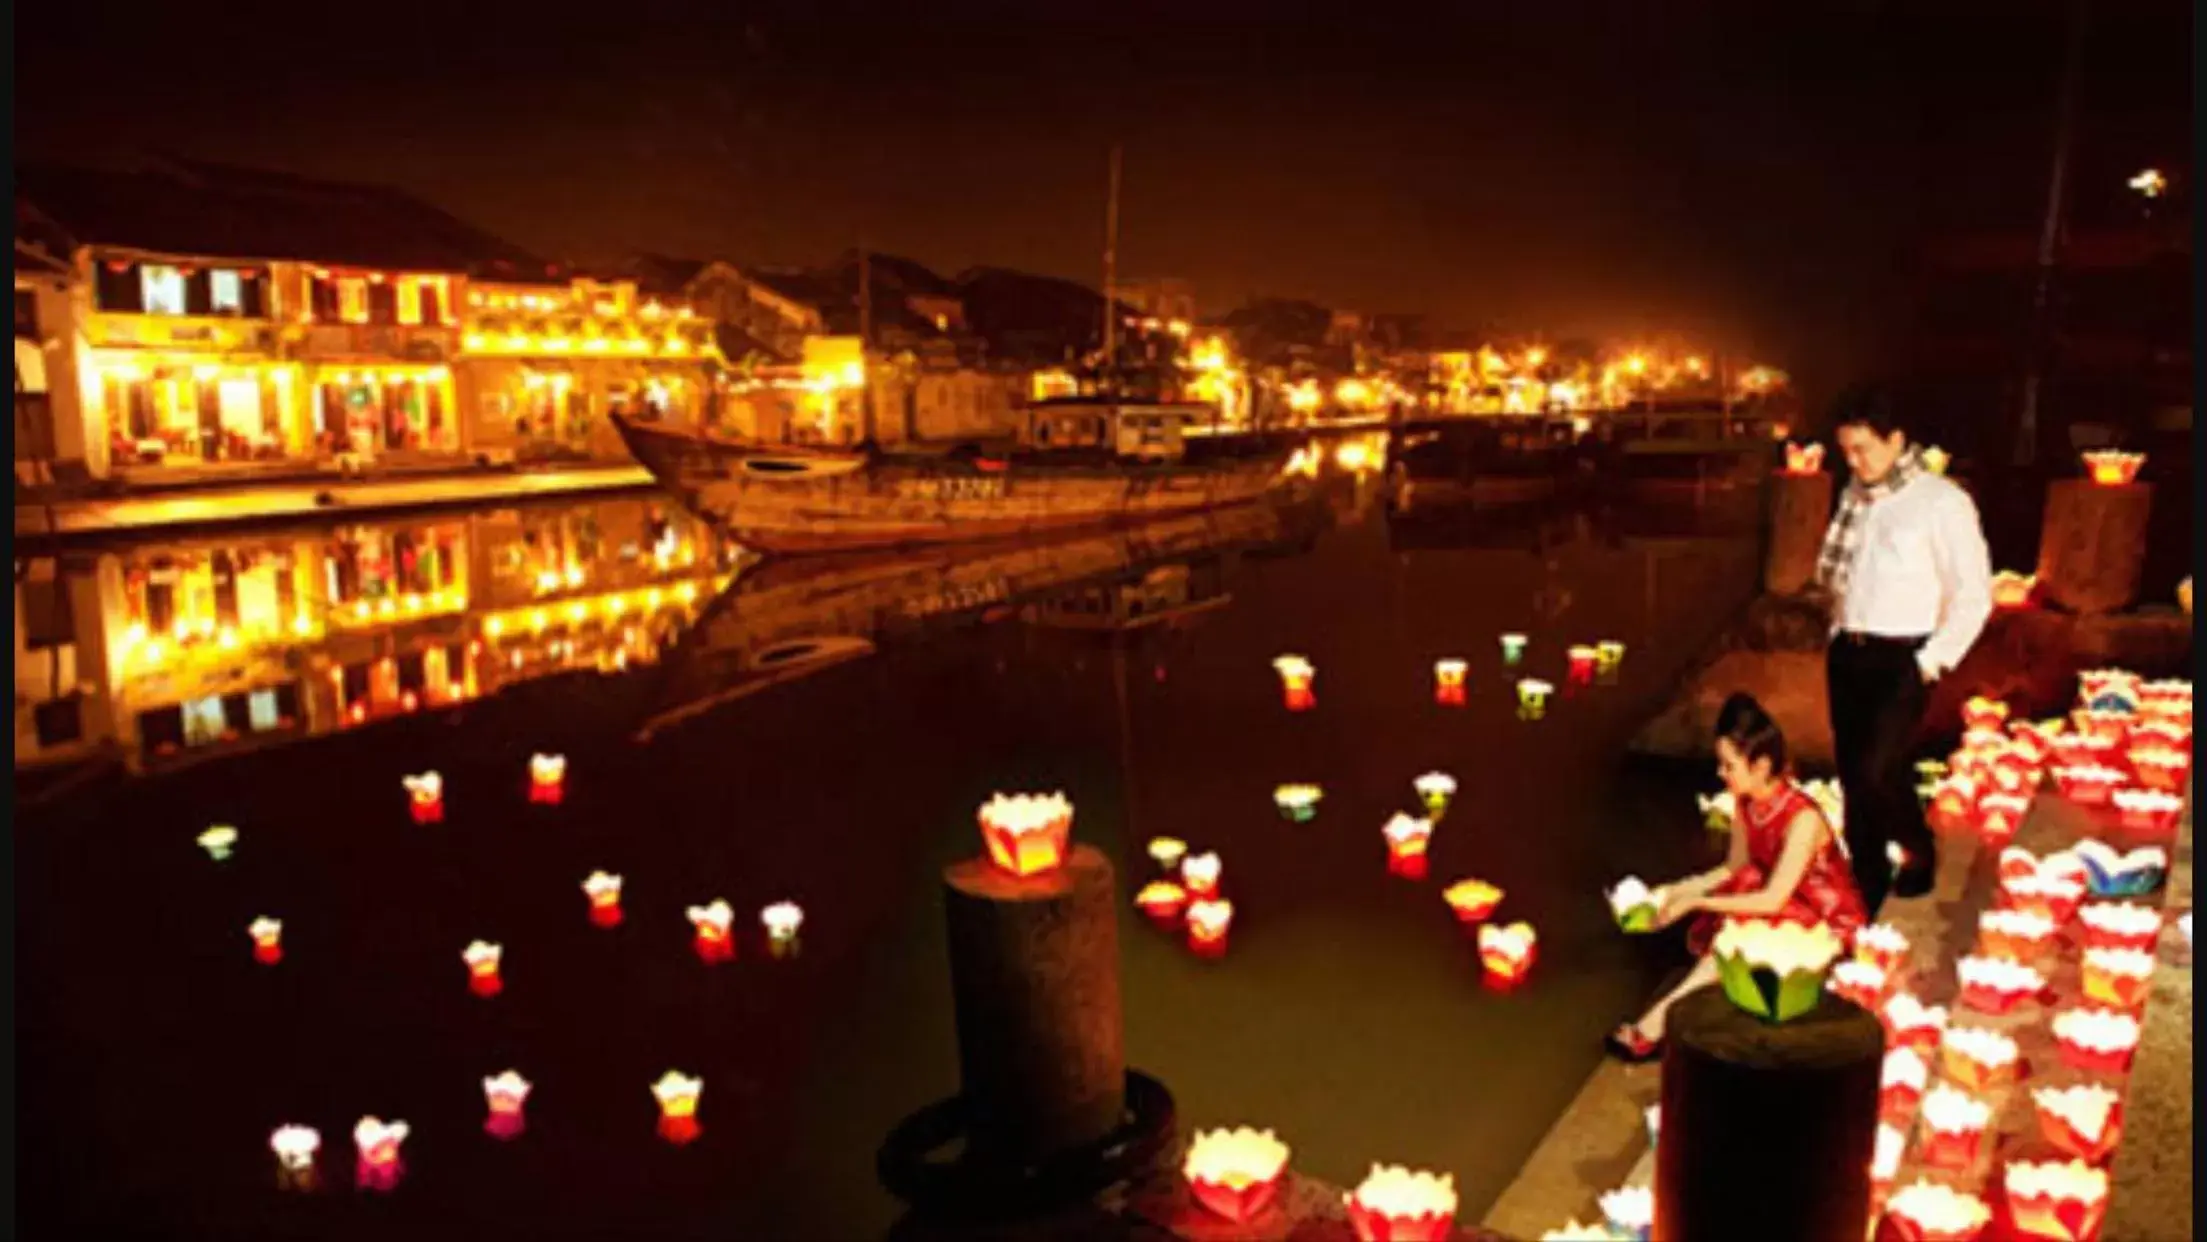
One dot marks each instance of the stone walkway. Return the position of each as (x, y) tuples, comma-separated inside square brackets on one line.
[(1601, 1142)]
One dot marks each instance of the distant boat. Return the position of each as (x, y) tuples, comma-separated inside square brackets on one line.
[(1091, 465)]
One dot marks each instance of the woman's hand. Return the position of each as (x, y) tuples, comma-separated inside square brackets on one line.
[(1675, 906)]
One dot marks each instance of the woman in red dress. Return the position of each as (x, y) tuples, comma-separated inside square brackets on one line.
[(1785, 863)]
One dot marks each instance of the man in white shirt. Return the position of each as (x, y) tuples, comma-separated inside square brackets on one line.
[(1910, 581)]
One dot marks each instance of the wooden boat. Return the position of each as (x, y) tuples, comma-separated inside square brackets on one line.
[(793, 499), (1482, 461)]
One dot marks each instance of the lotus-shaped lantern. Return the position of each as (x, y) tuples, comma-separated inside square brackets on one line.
[(1434, 789), (2158, 767), (2119, 977), (2017, 935), (1954, 800), (1299, 803), (1026, 834), (1407, 837), (1995, 984), (2084, 1120), (603, 891), (1394, 1204), (677, 1094), (1296, 675), (782, 921), (1860, 983), (268, 940), (1977, 1059), (713, 928), (1804, 459), (1953, 1127), (1999, 814), (2094, 682), (1901, 1081), (1576, 1230), (1209, 921), (1163, 901), (425, 797), (1909, 1023), (2147, 810), (1634, 905), (1579, 663), (505, 1094), (1609, 653), (547, 779), (1629, 1210), (1717, 810), (2011, 589), (1532, 698), (1235, 1173), (377, 1143), (2109, 725), (1506, 953), (1979, 712), (295, 1147), (1199, 873), (1448, 682), (2054, 897), (482, 959), (2066, 1202), (1936, 459), (2111, 873), (218, 841), (1774, 970), (2097, 1041), (1883, 946), (2113, 925), (1513, 649), (1167, 852), (1472, 900), (1925, 1211), (2113, 467)]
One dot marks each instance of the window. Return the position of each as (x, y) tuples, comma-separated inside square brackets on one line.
[(322, 300), (34, 427), (117, 287), (261, 713), (48, 620), (26, 313), (204, 721), (382, 302), (432, 301), (352, 299), (409, 301), (59, 721), (225, 293), (162, 289)]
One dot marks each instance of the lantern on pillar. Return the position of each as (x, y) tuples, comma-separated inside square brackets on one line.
[(1774, 970), (425, 797), (1296, 675), (1393, 1204), (1235, 1174), (482, 958), (2084, 1120), (1448, 682), (2112, 467), (1026, 834)]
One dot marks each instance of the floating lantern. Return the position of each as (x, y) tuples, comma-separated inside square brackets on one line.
[(1200, 872), (1167, 852), (482, 958), (1434, 790), (715, 939), (2110, 873), (1909, 1023), (1393, 1204), (425, 797), (677, 1094), (2011, 589), (1774, 970), (1977, 1059), (1532, 698), (2112, 925), (1235, 1173), (1472, 900), (1296, 675), (1026, 833), (1995, 984), (1513, 649), (268, 940), (2162, 769), (2017, 935), (604, 893), (377, 1143), (2098, 1041), (2067, 1201), (1580, 663), (1407, 837), (547, 779), (2054, 897), (1883, 946), (1804, 459), (2084, 1120), (2113, 467), (1901, 1081), (218, 841), (505, 1095), (296, 1147), (1954, 1127), (1299, 803), (1506, 953), (1162, 900), (1999, 815), (1925, 1211), (1635, 905), (782, 921), (1859, 982), (1630, 1210), (2118, 977), (1448, 682), (1936, 459), (2147, 810), (1980, 712), (1209, 920)]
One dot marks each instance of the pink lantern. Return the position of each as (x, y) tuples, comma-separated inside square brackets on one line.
[(2084, 1120), (1209, 921), (505, 1094), (482, 958), (2061, 1202), (1394, 1204), (2097, 1041), (547, 779), (425, 797), (376, 1141), (2119, 977)]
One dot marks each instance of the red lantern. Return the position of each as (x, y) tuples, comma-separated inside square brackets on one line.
[(2084, 1120), (547, 779), (1236, 1174), (714, 940), (1296, 675), (482, 958), (2060, 1202), (1953, 1128), (2096, 1041), (1209, 921), (1506, 953), (1163, 901), (1407, 838), (1393, 1204), (1472, 900), (1448, 682), (1027, 834), (1901, 1082), (424, 795), (268, 940), (604, 892)]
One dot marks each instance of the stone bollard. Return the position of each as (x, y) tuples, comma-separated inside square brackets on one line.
[(2092, 546), (1768, 1130), (1800, 509)]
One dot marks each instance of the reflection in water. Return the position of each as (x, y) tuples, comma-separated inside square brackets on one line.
[(161, 653)]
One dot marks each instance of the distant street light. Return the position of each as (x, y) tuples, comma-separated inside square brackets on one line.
[(2150, 183)]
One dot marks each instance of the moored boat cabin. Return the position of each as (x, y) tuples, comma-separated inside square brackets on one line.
[(1144, 431)]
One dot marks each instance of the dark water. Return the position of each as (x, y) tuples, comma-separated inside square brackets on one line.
[(154, 1055)]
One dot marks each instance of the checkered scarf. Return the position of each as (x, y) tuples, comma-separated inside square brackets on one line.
[(1844, 537)]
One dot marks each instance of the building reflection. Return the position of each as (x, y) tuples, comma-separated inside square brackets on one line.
[(160, 654)]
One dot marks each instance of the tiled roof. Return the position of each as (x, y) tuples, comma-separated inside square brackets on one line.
[(192, 208)]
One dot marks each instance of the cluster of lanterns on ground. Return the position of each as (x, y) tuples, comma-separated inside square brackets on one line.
[(377, 1143)]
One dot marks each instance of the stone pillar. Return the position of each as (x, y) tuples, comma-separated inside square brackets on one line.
[(2093, 545), (1800, 509), (1034, 978), (1768, 1130)]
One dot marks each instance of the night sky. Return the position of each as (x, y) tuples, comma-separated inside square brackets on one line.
[(1750, 174)]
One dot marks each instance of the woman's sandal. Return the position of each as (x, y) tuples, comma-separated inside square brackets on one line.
[(1627, 1044)]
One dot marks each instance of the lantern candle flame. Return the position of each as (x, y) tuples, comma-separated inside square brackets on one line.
[(1394, 1204), (1026, 834), (1236, 1173)]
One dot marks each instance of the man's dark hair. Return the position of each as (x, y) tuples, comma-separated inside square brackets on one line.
[(1868, 405), (1743, 721)]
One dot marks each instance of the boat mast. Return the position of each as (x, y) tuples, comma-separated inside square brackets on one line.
[(1111, 276)]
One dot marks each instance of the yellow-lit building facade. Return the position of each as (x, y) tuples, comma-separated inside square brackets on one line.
[(543, 366), (374, 350)]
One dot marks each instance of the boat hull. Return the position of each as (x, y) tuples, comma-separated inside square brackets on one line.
[(788, 502)]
